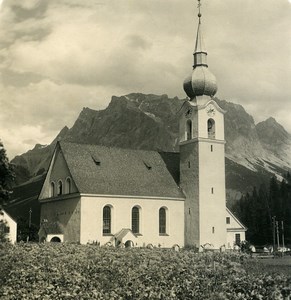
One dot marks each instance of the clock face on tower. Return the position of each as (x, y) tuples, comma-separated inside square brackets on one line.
[(210, 110)]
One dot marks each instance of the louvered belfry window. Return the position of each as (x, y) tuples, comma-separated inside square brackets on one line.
[(162, 220), (211, 128), (135, 220), (189, 130), (107, 219)]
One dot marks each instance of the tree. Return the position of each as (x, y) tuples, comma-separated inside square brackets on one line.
[(6, 176), (24, 231), (6, 179), (257, 209)]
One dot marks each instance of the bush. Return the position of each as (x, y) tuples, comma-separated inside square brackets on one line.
[(64, 271)]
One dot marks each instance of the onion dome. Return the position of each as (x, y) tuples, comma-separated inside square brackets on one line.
[(201, 81)]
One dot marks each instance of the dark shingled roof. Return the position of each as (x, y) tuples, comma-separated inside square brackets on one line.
[(172, 161), (116, 171)]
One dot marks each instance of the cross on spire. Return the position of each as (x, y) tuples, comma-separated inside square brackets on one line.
[(199, 12)]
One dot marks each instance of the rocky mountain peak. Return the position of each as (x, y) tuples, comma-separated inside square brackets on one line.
[(61, 135), (272, 133)]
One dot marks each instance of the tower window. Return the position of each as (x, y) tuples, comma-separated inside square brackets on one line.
[(189, 164), (211, 128), (106, 219), (212, 190), (227, 220), (213, 229), (189, 130), (211, 148)]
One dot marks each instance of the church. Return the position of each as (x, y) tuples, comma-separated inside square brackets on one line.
[(138, 198)]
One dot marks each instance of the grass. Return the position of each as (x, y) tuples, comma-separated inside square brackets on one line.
[(272, 266)]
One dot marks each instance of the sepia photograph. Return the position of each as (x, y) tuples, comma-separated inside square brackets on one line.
[(145, 149)]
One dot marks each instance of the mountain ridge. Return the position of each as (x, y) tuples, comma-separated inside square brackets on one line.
[(149, 122)]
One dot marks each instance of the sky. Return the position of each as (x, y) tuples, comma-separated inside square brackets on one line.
[(58, 56)]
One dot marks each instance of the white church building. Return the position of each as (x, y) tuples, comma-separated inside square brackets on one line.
[(143, 198)]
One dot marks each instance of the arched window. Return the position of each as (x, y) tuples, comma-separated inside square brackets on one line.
[(162, 221), (189, 130), (211, 128), (68, 185), (135, 219), (52, 190), (60, 187), (106, 219)]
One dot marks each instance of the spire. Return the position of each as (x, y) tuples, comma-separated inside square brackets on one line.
[(200, 54), (201, 81)]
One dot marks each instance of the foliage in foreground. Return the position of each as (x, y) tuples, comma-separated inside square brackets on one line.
[(63, 271)]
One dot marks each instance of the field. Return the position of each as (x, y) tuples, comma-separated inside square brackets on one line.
[(64, 271)]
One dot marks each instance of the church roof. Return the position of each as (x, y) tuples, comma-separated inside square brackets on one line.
[(239, 223), (104, 170)]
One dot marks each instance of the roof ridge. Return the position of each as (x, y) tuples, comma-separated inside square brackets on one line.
[(112, 147)]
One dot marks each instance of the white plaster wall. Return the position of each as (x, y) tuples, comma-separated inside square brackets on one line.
[(92, 211), (231, 238), (212, 176), (232, 229), (12, 235), (212, 205), (183, 120), (233, 223), (219, 124), (199, 120)]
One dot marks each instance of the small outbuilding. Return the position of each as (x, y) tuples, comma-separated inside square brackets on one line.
[(236, 231), (10, 227)]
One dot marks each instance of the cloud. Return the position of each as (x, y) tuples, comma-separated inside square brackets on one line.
[(60, 55), (39, 111), (12, 143), (138, 42)]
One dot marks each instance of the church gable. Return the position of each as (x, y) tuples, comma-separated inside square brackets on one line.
[(59, 180)]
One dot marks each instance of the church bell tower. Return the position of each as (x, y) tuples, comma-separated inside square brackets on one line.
[(202, 163)]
